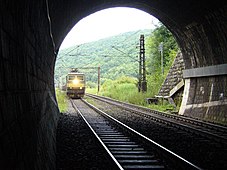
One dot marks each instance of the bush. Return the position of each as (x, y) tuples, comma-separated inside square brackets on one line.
[(125, 89), (62, 100)]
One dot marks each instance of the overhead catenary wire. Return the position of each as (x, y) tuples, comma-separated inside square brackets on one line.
[(108, 54)]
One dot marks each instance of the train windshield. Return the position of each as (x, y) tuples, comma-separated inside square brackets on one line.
[(80, 77), (71, 78)]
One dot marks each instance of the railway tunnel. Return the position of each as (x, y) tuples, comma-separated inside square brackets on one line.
[(31, 33)]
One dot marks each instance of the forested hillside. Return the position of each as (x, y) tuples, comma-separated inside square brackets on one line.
[(117, 56), (118, 59)]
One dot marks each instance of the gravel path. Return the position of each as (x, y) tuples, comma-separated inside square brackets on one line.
[(77, 147)]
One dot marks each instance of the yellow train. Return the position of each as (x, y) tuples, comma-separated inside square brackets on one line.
[(75, 84)]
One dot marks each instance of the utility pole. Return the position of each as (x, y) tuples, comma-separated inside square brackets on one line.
[(140, 74), (161, 54), (98, 78), (142, 86)]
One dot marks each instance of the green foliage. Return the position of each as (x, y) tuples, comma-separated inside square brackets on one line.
[(163, 107), (119, 89), (62, 100), (126, 80), (90, 84), (170, 48), (154, 83), (119, 69), (116, 56), (125, 89), (91, 90)]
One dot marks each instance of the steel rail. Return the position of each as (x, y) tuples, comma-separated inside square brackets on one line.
[(183, 161), (107, 150), (156, 116), (180, 117)]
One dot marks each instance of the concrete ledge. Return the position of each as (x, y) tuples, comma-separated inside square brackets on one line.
[(206, 71), (164, 97), (176, 88), (207, 104)]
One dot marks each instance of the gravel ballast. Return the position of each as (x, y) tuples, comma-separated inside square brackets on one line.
[(199, 150), (77, 147)]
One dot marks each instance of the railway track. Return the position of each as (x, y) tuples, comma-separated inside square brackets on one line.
[(210, 130), (128, 148)]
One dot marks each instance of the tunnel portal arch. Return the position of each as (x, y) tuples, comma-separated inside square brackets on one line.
[(200, 30), (31, 33)]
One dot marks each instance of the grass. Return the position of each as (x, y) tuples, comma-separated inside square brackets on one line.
[(124, 89), (128, 92), (62, 100), (91, 90)]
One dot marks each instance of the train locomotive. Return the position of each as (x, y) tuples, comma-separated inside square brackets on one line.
[(75, 84)]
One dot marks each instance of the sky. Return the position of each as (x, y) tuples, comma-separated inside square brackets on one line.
[(106, 23)]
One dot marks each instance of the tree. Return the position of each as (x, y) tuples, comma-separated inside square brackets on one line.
[(170, 48)]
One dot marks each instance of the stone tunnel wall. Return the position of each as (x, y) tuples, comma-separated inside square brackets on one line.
[(206, 98), (199, 27), (174, 76), (28, 109), (205, 59)]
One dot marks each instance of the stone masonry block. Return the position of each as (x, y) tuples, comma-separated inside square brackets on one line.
[(1, 120)]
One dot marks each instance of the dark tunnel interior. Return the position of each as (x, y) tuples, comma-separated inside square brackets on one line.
[(31, 33)]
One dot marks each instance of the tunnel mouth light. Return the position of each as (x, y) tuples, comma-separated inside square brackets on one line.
[(75, 81)]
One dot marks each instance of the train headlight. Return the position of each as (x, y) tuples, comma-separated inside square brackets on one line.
[(75, 81)]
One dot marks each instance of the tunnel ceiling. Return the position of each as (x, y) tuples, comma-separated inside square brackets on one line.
[(191, 22), (169, 12), (31, 30)]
